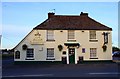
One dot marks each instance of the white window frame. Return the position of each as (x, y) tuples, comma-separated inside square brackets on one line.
[(92, 34), (50, 35), (31, 54), (71, 34), (93, 52), (17, 55), (50, 53)]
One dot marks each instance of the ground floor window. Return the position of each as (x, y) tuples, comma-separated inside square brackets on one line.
[(17, 55), (93, 52), (50, 53), (30, 53)]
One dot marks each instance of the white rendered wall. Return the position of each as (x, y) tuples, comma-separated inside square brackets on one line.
[(61, 38)]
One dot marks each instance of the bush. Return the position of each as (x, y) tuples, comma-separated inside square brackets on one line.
[(115, 49), (7, 56)]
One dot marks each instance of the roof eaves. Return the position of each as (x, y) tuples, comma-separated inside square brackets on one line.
[(68, 29), (40, 24), (108, 28)]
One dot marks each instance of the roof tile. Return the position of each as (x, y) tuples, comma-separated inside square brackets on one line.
[(61, 22)]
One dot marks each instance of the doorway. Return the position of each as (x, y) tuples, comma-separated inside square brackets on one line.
[(72, 55)]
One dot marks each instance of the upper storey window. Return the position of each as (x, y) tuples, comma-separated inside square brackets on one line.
[(50, 35), (71, 34), (92, 34)]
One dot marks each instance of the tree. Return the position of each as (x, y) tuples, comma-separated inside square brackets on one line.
[(115, 49), (4, 50)]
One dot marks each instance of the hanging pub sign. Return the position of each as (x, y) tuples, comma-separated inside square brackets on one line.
[(105, 37)]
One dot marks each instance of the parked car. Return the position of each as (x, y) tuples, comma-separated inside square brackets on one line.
[(116, 54)]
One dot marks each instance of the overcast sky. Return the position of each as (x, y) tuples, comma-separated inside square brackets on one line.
[(19, 18)]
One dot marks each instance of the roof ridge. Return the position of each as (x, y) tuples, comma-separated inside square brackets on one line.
[(67, 15)]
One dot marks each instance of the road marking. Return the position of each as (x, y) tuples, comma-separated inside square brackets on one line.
[(114, 73), (40, 75)]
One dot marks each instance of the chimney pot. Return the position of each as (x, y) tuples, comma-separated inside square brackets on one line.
[(83, 14)]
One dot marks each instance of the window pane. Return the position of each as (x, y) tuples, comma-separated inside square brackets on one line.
[(71, 34), (30, 53), (50, 52), (93, 52), (17, 55), (92, 34), (50, 35)]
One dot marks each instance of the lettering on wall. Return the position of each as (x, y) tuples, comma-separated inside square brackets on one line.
[(37, 39)]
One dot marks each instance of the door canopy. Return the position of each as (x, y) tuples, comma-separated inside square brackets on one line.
[(72, 44)]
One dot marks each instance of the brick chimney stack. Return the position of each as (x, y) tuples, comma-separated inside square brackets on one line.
[(83, 14), (50, 15)]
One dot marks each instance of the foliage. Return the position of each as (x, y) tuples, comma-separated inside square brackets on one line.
[(4, 50), (7, 56), (60, 47), (115, 49)]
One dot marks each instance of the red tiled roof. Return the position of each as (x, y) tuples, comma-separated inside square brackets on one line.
[(61, 22)]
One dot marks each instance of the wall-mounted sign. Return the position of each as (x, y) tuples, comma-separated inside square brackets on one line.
[(37, 39), (37, 34), (105, 37)]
